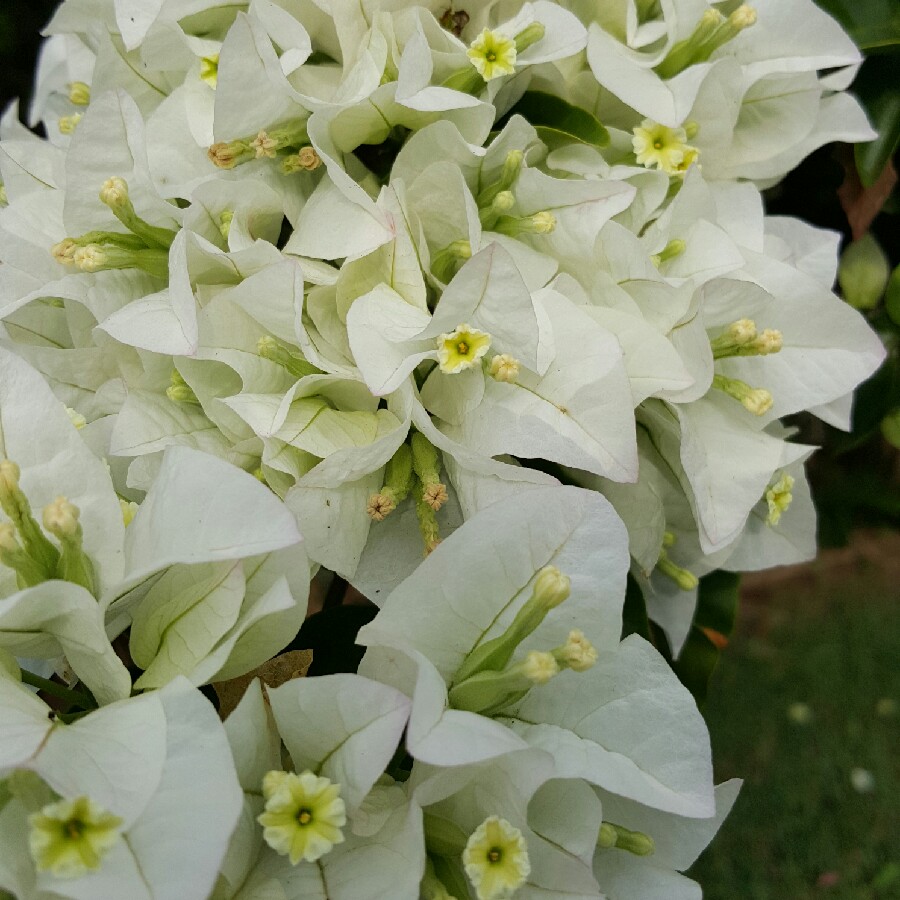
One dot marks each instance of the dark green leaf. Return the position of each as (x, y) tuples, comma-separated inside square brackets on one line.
[(892, 296), (871, 23), (554, 118), (876, 87)]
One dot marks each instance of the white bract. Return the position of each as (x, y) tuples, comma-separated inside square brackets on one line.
[(487, 283)]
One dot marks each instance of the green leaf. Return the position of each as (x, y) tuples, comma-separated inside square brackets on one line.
[(892, 296), (554, 118), (871, 23), (876, 88)]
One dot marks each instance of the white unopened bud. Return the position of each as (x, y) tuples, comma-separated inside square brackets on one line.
[(743, 17), (64, 252), (61, 518), (743, 331), (578, 653), (770, 341), (758, 401), (91, 258), (551, 587), (539, 666), (504, 367), (114, 191), (544, 222)]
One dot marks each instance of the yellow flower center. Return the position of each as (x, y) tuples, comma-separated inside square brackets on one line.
[(493, 54), (304, 815), (496, 859), (658, 146), (70, 837), (462, 348)]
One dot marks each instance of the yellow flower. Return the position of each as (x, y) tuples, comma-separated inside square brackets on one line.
[(303, 816), (493, 54), (69, 837), (462, 348), (779, 498), (496, 859), (661, 147)]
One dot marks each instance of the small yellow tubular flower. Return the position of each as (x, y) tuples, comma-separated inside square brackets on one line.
[(303, 817), (496, 859), (462, 348), (779, 498), (493, 54), (661, 147), (755, 400), (69, 838)]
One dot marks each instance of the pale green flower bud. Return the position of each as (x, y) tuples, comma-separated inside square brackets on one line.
[(673, 249), (529, 36), (635, 842), (551, 588), (268, 348), (540, 223), (755, 400), (864, 272), (445, 262), (37, 547)]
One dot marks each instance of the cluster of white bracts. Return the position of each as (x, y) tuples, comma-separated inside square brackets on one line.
[(384, 257)]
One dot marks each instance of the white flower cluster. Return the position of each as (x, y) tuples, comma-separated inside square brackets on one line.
[(488, 283)]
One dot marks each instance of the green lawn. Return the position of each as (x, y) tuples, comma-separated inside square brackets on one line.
[(800, 830)]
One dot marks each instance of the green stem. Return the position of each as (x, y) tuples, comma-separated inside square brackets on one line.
[(57, 690)]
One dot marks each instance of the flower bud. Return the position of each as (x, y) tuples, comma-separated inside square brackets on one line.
[(61, 518), (539, 666), (79, 93), (68, 124), (114, 192), (578, 653), (504, 367), (551, 588)]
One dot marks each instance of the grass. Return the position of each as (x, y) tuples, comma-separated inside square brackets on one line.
[(800, 830)]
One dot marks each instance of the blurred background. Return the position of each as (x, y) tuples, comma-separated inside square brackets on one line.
[(796, 669)]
